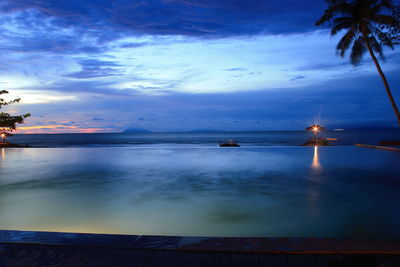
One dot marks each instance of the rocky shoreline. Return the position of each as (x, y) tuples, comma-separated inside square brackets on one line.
[(3, 145)]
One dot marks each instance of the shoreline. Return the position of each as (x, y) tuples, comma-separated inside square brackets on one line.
[(11, 145)]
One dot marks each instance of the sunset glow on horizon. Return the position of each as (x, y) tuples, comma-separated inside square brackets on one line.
[(50, 129), (225, 65)]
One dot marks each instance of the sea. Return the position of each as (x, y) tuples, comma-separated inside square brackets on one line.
[(266, 138), (185, 184)]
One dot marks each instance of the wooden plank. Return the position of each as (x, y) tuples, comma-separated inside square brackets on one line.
[(117, 257), (63, 256), (53, 255), (216, 244), (189, 259), (205, 244), (330, 260), (71, 239), (214, 259), (352, 246), (275, 260), (387, 260), (84, 256), (157, 242), (358, 260), (371, 260), (15, 256), (302, 260), (159, 259), (242, 259)]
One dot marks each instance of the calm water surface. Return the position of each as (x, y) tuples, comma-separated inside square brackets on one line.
[(195, 190), (267, 138)]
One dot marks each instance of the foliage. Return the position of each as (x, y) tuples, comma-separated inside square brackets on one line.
[(7, 121), (365, 21), (368, 25), (394, 31)]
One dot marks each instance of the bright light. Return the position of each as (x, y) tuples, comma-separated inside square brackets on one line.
[(315, 129)]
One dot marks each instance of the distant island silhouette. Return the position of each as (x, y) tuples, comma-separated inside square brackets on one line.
[(136, 130)]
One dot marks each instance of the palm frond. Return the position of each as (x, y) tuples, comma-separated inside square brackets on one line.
[(384, 20), (357, 51), (383, 4), (342, 20), (382, 36), (338, 27), (335, 7), (346, 41), (371, 22)]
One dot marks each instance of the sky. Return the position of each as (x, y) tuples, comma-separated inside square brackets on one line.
[(182, 65)]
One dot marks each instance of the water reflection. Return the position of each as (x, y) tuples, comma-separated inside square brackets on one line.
[(314, 187), (315, 163), (284, 191), (3, 153)]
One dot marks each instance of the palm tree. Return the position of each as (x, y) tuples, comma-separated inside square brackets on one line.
[(364, 22)]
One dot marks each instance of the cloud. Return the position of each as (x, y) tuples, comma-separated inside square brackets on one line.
[(324, 66), (133, 45), (177, 17), (59, 128), (46, 127), (343, 102), (235, 69), (297, 78), (94, 87), (93, 68), (181, 65)]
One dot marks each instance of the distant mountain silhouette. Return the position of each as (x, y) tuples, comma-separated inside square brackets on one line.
[(205, 131), (136, 130)]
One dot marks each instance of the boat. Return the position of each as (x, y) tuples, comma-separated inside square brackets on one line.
[(229, 143)]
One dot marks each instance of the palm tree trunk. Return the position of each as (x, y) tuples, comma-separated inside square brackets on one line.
[(385, 82)]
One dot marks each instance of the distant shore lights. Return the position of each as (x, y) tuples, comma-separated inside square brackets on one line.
[(315, 130)]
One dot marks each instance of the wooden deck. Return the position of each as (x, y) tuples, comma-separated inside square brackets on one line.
[(21, 248)]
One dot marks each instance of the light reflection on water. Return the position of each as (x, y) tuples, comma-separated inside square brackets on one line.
[(314, 188), (273, 191), (315, 163)]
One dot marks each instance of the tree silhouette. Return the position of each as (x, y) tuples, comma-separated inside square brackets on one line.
[(366, 24), (8, 123)]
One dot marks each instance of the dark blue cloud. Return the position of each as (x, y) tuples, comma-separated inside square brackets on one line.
[(235, 69), (133, 45), (82, 83), (334, 104), (50, 43), (82, 86), (92, 68), (85, 27), (178, 17), (297, 78)]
